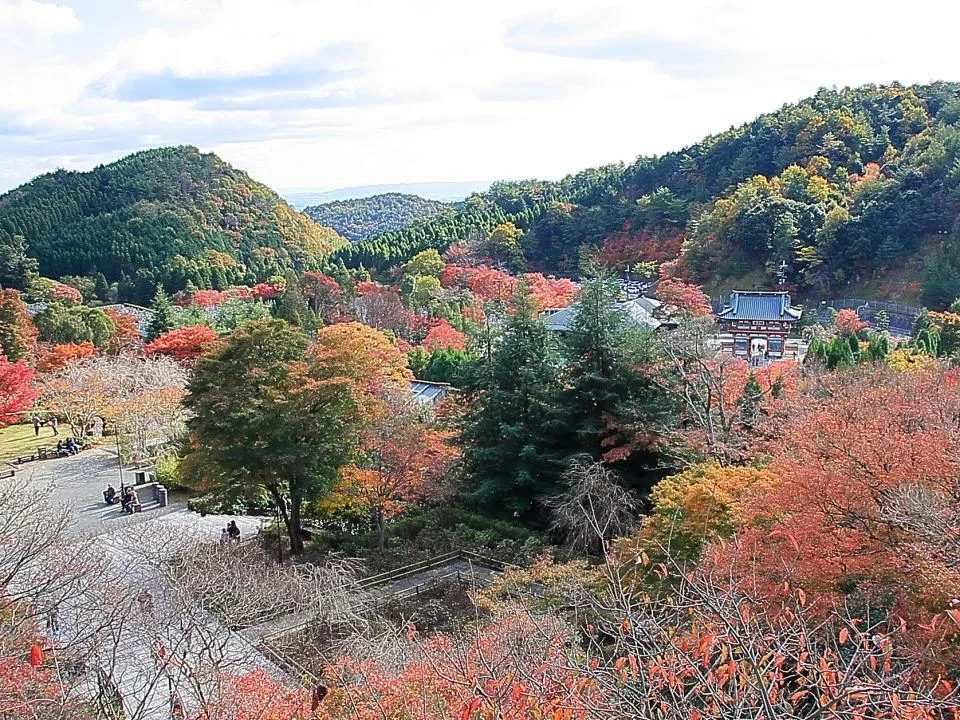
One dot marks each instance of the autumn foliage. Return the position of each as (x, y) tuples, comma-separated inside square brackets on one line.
[(362, 355), (848, 322), (513, 668), (256, 696), (630, 247), (16, 389), (681, 298), (35, 692), (126, 335), (18, 334), (861, 508), (442, 336), (58, 356), (186, 343), (491, 285)]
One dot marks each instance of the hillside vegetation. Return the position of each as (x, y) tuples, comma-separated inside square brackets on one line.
[(170, 216), (360, 218), (840, 190)]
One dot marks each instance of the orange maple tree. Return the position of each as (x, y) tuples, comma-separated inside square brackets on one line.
[(442, 335), (403, 460), (865, 462), (126, 335), (184, 344), (58, 356), (363, 355)]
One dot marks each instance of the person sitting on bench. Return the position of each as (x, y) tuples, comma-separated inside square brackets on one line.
[(110, 495), (233, 531), (72, 446), (130, 501), (61, 449)]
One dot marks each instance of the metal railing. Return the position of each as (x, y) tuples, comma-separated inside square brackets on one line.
[(402, 573), (431, 564), (873, 306)]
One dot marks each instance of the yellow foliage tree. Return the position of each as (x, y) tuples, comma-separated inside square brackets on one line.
[(700, 505)]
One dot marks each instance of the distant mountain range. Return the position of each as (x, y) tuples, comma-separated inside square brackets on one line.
[(361, 218), (848, 193), (440, 191)]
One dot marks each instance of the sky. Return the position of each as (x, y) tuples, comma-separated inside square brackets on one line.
[(315, 94)]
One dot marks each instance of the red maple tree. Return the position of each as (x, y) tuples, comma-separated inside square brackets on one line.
[(126, 336), (16, 389), (256, 696), (682, 298), (866, 461), (848, 322)]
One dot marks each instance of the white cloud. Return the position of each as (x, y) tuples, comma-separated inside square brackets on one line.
[(307, 93), (43, 19)]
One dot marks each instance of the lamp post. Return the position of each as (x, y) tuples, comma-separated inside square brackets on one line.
[(279, 535), (116, 435)]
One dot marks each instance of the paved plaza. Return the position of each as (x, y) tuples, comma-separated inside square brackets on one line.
[(77, 483)]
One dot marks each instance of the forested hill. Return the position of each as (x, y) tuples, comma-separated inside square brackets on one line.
[(171, 215), (846, 189), (360, 218)]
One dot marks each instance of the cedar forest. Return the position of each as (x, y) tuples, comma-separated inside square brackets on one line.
[(680, 534)]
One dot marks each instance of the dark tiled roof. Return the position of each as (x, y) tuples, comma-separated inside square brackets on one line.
[(759, 306)]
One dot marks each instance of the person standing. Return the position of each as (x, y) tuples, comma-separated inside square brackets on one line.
[(54, 423), (36, 425)]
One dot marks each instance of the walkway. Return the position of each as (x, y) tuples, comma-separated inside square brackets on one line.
[(77, 483)]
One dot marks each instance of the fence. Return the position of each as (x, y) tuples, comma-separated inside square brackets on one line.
[(901, 317), (390, 577)]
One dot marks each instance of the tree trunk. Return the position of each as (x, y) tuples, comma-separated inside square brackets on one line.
[(287, 518), (381, 534), (296, 536)]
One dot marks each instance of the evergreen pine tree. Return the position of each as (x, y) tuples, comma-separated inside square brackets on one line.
[(292, 305), (505, 433), (607, 403), (100, 287), (162, 320), (750, 403)]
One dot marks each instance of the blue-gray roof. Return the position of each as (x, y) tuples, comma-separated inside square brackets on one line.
[(427, 392), (638, 310), (759, 306)]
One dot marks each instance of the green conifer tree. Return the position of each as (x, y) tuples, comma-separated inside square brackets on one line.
[(505, 433), (162, 320), (607, 402)]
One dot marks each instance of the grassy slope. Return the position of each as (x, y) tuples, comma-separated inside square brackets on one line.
[(17, 440)]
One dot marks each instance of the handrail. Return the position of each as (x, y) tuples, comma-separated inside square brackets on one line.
[(405, 570), (399, 574), (438, 561), (277, 659)]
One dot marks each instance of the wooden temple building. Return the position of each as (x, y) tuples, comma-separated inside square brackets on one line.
[(759, 323)]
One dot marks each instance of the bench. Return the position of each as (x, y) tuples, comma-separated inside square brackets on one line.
[(158, 490)]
